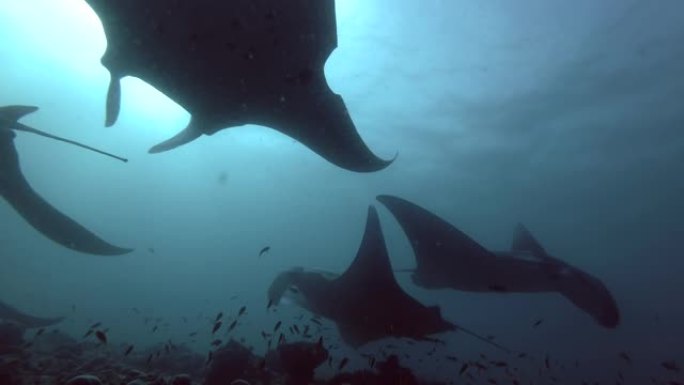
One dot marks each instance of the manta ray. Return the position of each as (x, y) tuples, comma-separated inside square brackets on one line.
[(10, 314), (31, 206), (365, 302), (232, 63), (448, 258)]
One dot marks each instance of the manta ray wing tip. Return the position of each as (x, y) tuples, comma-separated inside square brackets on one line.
[(379, 164)]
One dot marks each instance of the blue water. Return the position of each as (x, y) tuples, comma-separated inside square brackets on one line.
[(566, 116)]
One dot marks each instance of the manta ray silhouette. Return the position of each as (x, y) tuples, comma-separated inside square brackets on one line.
[(10, 314), (365, 302), (237, 62), (31, 206), (447, 258)]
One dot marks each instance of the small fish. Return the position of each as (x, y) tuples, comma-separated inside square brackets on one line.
[(546, 362), (40, 331), (671, 366), (88, 333), (192, 334), (270, 303), (242, 311), (371, 362), (73, 308), (293, 289), (539, 321), (343, 363), (264, 250), (316, 321), (296, 329), (216, 343), (128, 350), (154, 329), (96, 325), (218, 317), (150, 250), (277, 326), (217, 326), (209, 357), (451, 358), (101, 336), (464, 367), (281, 339), (149, 358), (232, 325)]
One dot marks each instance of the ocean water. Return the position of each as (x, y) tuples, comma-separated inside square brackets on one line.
[(566, 116)]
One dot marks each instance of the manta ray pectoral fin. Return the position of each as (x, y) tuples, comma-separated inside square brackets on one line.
[(189, 133), (9, 115), (52, 223), (113, 104), (9, 313), (320, 120), (524, 241)]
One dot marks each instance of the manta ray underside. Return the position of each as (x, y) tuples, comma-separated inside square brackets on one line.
[(448, 258), (31, 206), (10, 314), (237, 62), (365, 301)]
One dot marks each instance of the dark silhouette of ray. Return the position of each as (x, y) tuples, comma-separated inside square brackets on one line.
[(10, 314), (448, 258), (365, 301), (31, 206), (231, 63)]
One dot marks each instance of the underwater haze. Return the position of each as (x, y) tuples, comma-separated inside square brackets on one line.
[(565, 116)]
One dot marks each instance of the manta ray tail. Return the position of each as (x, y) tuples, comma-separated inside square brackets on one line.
[(190, 133), (483, 339), (9, 116)]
